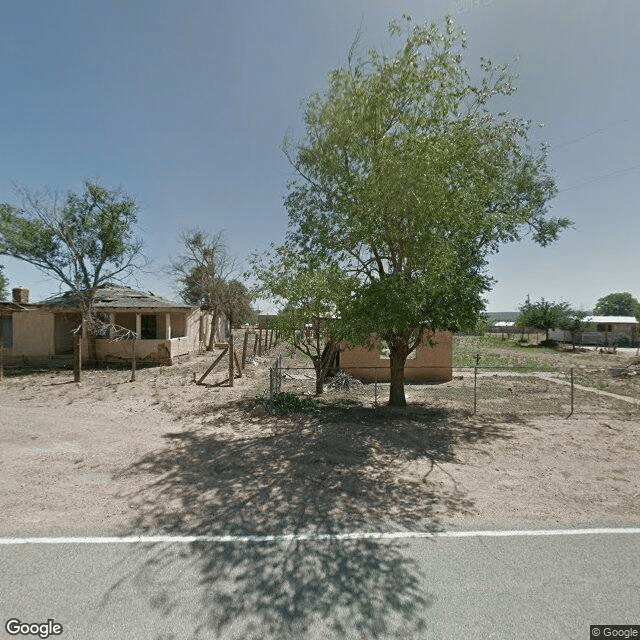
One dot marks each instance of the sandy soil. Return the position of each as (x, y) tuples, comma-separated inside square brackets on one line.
[(161, 453)]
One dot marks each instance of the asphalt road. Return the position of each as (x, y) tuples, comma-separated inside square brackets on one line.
[(514, 587)]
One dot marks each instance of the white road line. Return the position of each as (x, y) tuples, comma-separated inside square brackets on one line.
[(358, 535)]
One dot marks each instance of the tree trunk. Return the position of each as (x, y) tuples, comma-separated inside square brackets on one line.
[(317, 363), (323, 363), (212, 332), (397, 358)]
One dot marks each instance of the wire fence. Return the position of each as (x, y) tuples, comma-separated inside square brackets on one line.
[(484, 390)]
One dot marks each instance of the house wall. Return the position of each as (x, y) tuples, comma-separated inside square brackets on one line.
[(63, 327), (147, 351), (431, 364), (33, 333)]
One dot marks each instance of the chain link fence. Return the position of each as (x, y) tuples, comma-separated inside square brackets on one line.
[(484, 390)]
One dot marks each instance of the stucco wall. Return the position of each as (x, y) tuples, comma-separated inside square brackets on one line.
[(32, 333), (431, 364), (147, 351)]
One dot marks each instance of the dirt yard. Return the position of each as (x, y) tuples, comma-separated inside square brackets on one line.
[(163, 454)]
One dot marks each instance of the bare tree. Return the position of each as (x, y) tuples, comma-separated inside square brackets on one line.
[(202, 272)]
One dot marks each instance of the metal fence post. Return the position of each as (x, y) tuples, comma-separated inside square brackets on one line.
[(475, 389), (375, 390), (271, 383)]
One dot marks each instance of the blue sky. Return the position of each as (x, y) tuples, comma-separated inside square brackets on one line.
[(185, 105)]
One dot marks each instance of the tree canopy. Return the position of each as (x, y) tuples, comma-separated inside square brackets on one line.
[(4, 284), (204, 272), (408, 179), (546, 315), (618, 304), (236, 302), (83, 240)]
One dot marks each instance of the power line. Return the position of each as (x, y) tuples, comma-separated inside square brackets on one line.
[(602, 177), (596, 131)]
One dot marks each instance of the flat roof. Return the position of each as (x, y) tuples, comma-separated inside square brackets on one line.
[(611, 319)]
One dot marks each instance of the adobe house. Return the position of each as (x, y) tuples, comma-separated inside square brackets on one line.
[(164, 330), (23, 327), (427, 364)]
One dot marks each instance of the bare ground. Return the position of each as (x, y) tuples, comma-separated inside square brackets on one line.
[(161, 453)]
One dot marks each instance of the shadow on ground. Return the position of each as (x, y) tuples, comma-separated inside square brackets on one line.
[(321, 474)]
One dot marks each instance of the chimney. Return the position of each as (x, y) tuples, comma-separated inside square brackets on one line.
[(20, 295)]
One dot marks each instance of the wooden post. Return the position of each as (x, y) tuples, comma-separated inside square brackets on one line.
[(210, 369), (231, 354), (77, 357), (244, 348), (1, 358), (572, 394), (133, 362), (259, 342), (270, 338), (255, 345)]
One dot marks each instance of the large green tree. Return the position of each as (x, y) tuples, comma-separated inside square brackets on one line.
[(83, 240), (618, 304), (408, 178)]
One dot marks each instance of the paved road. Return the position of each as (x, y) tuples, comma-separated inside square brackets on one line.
[(512, 587)]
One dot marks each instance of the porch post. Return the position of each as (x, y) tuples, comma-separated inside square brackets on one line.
[(112, 322), (167, 326), (138, 326)]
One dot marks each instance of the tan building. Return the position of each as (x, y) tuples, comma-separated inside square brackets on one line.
[(427, 364), (603, 331), (158, 329)]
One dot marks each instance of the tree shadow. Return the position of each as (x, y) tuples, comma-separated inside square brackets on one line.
[(317, 477)]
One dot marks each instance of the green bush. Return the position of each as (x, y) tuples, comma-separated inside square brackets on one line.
[(288, 402), (624, 340)]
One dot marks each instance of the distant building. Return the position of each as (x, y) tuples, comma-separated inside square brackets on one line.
[(603, 331)]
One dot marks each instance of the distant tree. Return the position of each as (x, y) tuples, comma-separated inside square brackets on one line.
[(617, 304), (83, 241), (202, 272), (236, 303), (408, 178), (574, 323), (307, 294), (4, 284), (544, 315)]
